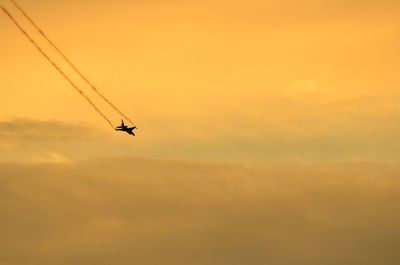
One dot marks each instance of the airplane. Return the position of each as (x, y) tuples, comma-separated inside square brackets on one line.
[(124, 128)]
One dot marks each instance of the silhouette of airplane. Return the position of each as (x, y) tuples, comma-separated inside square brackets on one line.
[(124, 128)]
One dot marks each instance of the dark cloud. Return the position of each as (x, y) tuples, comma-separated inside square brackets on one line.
[(145, 211), (34, 140), (36, 130)]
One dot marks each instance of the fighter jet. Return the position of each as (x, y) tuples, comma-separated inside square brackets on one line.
[(124, 128)]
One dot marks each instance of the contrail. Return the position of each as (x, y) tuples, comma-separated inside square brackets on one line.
[(70, 63), (55, 66)]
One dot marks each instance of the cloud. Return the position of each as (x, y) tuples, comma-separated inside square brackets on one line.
[(50, 158), (36, 130), (44, 141), (146, 211), (310, 137)]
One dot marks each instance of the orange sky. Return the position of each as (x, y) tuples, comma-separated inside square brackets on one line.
[(268, 133), (240, 73)]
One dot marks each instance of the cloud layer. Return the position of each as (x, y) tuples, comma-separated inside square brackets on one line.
[(306, 140), (28, 140), (145, 211)]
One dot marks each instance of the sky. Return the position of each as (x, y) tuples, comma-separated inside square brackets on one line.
[(267, 133), (245, 81)]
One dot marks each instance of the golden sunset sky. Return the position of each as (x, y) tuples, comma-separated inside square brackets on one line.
[(268, 133), (230, 80)]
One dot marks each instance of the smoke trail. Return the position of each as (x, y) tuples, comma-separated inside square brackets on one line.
[(70, 63), (55, 66)]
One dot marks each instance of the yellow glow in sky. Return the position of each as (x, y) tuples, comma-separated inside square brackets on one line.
[(268, 133)]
